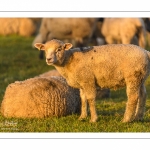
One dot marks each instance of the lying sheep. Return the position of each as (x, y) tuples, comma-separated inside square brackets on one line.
[(40, 97), (20, 26), (101, 93), (109, 66), (124, 31)]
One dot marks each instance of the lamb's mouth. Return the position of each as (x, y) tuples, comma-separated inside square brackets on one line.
[(50, 63)]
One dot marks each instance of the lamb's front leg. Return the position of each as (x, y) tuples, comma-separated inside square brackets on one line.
[(140, 108), (91, 102), (83, 105), (88, 94)]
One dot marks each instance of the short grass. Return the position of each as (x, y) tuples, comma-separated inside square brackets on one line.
[(19, 61)]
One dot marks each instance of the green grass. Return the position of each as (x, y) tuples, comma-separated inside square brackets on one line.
[(19, 61)]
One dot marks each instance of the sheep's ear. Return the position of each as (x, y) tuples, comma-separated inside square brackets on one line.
[(67, 46), (40, 46)]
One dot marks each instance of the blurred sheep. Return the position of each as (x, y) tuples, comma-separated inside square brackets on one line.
[(124, 31), (78, 31), (21, 26)]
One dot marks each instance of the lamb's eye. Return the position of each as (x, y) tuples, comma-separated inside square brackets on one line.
[(58, 50)]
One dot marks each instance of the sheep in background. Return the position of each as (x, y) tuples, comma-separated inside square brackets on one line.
[(124, 30), (40, 97), (78, 31), (21, 26), (109, 66)]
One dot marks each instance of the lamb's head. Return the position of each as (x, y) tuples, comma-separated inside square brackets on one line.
[(55, 51)]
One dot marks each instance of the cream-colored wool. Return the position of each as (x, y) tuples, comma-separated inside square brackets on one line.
[(101, 93), (109, 66), (20, 26), (40, 97), (124, 31), (78, 30)]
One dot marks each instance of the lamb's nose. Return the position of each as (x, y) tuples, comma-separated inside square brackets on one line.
[(48, 59)]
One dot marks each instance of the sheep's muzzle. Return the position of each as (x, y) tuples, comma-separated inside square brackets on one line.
[(50, 61)]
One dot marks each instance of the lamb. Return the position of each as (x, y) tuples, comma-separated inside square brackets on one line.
[(40, 97), (109, 66), (124, 31)]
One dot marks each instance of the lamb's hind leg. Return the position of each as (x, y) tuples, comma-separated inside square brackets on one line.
[(133, 93), (140, 109)]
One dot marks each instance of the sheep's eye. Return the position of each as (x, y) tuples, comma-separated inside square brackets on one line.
[(58, 50)]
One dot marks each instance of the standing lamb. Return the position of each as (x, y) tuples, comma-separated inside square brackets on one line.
[(109, 66), (124, 31), (40, 97)]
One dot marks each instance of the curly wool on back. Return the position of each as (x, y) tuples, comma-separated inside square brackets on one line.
[(40, 97)]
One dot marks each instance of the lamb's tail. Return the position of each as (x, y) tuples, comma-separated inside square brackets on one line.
[(141, 33)]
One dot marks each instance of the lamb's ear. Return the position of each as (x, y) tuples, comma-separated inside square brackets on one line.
[(67, 46), (40, 46)]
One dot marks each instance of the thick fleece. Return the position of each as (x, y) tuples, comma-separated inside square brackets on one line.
[(40, 97)]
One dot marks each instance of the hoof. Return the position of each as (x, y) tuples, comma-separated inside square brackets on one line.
[(93, 120), (127, 120), (82, 118), (138, 118)]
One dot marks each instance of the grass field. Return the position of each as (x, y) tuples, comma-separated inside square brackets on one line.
[(19, 61)]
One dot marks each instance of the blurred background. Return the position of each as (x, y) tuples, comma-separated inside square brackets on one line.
[(80, 31)]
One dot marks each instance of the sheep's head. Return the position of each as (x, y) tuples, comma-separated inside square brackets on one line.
[(54, 51)]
